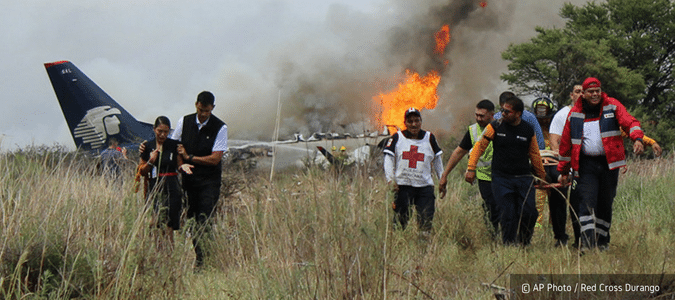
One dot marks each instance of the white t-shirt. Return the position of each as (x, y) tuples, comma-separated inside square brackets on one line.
[(592, 139), (559, 120)]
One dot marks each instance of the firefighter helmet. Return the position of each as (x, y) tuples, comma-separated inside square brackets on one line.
[(543, 108)]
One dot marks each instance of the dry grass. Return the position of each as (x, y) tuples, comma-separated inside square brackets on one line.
[(66, 232)]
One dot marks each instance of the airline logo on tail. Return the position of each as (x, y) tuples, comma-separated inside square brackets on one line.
[(93, 117), (97, 125)]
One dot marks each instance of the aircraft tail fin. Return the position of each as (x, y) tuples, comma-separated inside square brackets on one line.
[(93, 117)]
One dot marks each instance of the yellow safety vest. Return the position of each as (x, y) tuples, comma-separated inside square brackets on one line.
[(484, 166)]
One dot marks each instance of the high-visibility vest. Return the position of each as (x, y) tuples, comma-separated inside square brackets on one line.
[(484, 166)]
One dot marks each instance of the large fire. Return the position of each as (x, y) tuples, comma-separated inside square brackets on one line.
[(415, 91)]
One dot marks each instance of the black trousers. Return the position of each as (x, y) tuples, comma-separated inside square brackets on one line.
[(202, 198), (557, 205), (492, 211), (574, 213), (166, 197), (422, 198), (596, 189)]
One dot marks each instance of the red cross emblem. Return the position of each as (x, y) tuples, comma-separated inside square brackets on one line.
[(413, 157)]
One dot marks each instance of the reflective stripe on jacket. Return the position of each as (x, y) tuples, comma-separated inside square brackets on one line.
[(613, 117)]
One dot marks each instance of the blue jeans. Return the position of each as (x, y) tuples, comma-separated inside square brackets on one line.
[(515, 196)]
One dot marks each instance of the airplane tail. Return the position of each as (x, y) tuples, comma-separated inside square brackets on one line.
[(93, 117)]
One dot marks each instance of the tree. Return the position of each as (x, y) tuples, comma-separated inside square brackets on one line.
[(554, 61), (641, 36), (628, 44)]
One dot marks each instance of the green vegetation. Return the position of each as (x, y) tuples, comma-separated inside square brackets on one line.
[(627, 44), (66, 233)]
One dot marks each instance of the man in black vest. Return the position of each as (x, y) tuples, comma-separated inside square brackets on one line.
[(514, 146), (203, 140)]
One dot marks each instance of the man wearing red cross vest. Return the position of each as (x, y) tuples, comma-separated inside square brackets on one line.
[(411, 156)]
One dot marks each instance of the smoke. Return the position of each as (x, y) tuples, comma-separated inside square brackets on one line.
[(324, 62), (327, 77)]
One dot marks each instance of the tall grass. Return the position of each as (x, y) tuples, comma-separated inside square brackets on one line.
[(312, 233), (67, 232)]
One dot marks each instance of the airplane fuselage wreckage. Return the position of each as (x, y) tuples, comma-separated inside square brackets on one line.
[(93, 118)]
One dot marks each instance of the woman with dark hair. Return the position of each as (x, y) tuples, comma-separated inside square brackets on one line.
[(160, 163)]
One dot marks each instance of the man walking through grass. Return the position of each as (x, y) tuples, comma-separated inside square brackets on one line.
[(203, 140), (514, 146), (483, 114), (411, 156), (592, 147)]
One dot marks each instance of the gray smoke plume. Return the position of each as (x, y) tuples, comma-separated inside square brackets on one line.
[(327, 77), (326, 62)]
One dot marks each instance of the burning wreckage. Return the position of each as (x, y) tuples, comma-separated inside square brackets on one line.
[(321, 149), (415, 90)]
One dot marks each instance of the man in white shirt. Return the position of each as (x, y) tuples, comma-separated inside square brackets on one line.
[(203, 140), (555, 134), (560, 118), (411, 156)]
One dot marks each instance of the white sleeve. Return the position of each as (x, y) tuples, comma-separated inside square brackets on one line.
[(438, 166), (177, 131), (221, 140), (389, 167), (559, 120)]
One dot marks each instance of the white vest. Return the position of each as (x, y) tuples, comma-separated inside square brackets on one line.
[(413, 161)]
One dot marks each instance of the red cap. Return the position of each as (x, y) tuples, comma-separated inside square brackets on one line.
[(590, 82)]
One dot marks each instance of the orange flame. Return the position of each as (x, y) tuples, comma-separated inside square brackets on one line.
[(483, 4), (415, 91), (442, 39)]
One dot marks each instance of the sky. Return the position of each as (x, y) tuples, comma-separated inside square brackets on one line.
[(324, 61)]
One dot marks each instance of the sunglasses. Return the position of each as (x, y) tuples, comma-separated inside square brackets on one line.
[(506, 111)]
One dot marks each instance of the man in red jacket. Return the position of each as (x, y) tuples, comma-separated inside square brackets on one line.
[(592, 147)]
